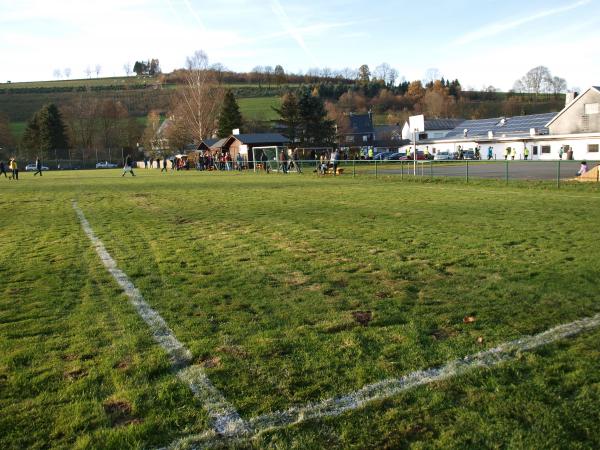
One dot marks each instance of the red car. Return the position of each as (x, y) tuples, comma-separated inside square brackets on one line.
[(420, 157)]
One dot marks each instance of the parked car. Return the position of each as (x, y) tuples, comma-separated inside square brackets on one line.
[(420, 156), (106, 165), (33, 168), (469, 154), (443, 156), (383, 156), (398, 156)]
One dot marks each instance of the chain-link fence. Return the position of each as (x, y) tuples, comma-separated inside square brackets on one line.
[(555, 171)]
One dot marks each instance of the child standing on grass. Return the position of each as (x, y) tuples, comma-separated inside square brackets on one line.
[(3, 169)]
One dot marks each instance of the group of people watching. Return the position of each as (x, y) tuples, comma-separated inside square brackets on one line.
[(13, 168)]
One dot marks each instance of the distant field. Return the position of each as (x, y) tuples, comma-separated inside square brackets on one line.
[(75, 83), (259, 108), (289, 290), (17, 129)]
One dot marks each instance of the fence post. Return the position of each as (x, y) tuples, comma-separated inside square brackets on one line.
[(431, 169), (506, 170), (467, 170), (401, 171), (558, 175), (375, 168), (354, 168)]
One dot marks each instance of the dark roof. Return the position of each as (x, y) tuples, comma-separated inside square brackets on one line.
[(361, 123), (210, 142), (512, 126), (261, 138), (220, 143), (442, 124)]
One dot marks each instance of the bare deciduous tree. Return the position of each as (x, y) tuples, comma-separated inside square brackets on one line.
[(81, 117), (98, 69), (431, 75), (257, 75), (67, 72), (88, 71), (200, 98), (127, 68), (56, 73), (558, 85), (535, 81)]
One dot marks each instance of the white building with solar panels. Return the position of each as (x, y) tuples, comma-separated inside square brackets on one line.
[(573, 131)]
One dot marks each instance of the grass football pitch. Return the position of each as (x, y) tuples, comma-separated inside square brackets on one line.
[(289, 290)]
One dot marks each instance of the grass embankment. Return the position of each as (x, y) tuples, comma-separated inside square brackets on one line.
[(289, 290)]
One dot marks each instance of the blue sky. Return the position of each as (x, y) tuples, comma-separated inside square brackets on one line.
[(479, 42)]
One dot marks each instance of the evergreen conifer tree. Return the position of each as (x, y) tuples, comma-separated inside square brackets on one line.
[(316, 128), (230, 117), (289, 117), (46, 133)]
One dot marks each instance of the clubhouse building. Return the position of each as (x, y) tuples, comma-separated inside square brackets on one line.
[(574, 131)]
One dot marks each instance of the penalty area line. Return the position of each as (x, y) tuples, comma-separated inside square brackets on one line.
[(225, 418), (335, 406)]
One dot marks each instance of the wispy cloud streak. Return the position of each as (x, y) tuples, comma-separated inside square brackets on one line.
[(194, 14), (287, 25), (496, 28)]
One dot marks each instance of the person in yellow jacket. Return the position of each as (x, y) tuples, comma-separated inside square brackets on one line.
[(506, 153), (513, 153), (526, 153), (14, 168)]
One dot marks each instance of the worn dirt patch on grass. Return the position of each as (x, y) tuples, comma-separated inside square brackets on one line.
[(363, 317), (75, 374)]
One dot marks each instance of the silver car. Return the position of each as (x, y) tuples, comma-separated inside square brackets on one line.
[(443, 156)]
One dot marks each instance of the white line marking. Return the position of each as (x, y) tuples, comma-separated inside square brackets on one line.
[(391, 387), (226, 419)]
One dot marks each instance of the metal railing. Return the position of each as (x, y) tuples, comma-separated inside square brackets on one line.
[(557, 171)]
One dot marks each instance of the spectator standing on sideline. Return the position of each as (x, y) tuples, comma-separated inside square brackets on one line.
[(526, 153), (265, 162), (164, 167), (296, 160), (128, 166), (490, 152), (335, 158), (283, 162), (38, 167), (239, 161), (506, 153), (560, 152), (14, 169), (3, 169), (513, 153)]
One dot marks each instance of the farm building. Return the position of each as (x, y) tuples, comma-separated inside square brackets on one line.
[(575, 131), (243, 143)]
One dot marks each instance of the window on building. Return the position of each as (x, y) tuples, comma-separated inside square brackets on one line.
[(535, 150), (592, 148), (592, 108), (349, 138), (365, 138), (546, 149)]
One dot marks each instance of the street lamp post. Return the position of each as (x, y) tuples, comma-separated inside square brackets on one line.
[(415, 151)]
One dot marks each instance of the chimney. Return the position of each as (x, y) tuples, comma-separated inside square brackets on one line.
[(570, 98)]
